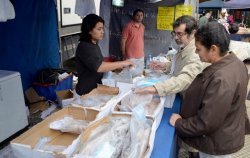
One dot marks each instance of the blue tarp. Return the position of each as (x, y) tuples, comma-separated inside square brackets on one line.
[(237, 4), (232, 4), (212, 4), (29, 42)]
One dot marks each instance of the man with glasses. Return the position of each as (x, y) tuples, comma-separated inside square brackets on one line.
[(187, 65)]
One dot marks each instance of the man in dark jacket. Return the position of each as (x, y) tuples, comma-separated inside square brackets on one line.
[(213, 117)]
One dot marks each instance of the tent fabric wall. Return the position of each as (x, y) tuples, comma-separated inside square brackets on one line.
[(29, 42), (104, 13), (155, 41)]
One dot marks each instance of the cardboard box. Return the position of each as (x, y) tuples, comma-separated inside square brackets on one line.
[(158, 111), (64, 97), (86, 136), (23, 146), (101, 89), (32, 96), (105, 110), (38, 107)]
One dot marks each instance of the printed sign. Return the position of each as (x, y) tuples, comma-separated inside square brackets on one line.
[(165, 18)]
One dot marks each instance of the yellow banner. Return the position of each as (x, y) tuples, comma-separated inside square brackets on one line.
[(165, 18), (181, 10), (165, 11), (165, 23)]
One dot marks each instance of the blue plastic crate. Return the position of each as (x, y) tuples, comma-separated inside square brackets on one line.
[(49, 90)]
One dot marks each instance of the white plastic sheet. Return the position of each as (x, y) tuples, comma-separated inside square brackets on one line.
[(240, 49), (68, 124), (6, 10)]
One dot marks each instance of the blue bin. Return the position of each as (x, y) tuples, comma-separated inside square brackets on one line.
[(49, 90)]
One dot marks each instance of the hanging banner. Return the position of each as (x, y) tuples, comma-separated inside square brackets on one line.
[(165, 18), (181, 10)]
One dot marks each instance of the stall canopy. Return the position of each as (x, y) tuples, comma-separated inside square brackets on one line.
[(200, 1), (212, 4), (229, 4), (29, 42), (237, 4)]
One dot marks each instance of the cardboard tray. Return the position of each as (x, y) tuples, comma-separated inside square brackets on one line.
[(23, 146), (94, 125), (157, 115), (102, 89)]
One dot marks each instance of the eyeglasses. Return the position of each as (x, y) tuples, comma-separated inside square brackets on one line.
[(178, 34)]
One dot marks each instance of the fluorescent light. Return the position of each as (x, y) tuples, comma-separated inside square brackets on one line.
[(118, 3)]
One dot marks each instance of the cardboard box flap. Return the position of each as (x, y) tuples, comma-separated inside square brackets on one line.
[(102, 89), (32, 96), (65, 97), (65, 94), (39, 106), (107, 90)]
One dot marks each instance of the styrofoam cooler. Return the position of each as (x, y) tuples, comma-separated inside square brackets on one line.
[(13, 115)]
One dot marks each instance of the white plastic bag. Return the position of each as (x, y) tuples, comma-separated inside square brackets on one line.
[(132, 100), (137, 69), (97, 100), (106, 140), (6, 10), (68, 124), (140, 128), (124, 76)]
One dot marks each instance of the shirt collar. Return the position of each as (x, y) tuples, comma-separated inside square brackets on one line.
[(134, 24), (188, 49)]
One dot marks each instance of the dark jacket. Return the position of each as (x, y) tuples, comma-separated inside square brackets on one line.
[(88, 60), (214, 111)]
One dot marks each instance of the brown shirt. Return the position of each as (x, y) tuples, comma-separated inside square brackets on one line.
[(213, 110)]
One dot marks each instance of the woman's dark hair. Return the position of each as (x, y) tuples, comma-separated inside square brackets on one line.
[(191, 23), (213, 33), (138, 10), (233, 28), (88, 23)]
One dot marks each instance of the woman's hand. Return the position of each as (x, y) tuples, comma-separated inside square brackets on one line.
[(146, 90), (174, 118), (127, 63)]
